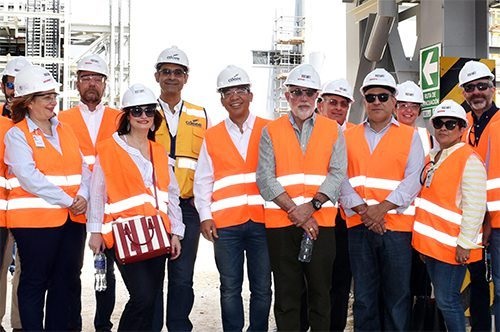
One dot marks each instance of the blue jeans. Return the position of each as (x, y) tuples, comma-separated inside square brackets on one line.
[(230, 249), (495, 266), (381, 266), (447, 280)]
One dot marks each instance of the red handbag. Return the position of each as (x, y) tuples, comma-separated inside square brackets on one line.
[(141, 238)]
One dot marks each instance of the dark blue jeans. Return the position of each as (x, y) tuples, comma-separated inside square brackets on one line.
[(180, 297), (51, 263), (447, 280), (495, 266), (381, 266), (105, 301), (230, 249)]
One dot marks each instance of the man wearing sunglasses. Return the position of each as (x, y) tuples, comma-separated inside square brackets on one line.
[(231, 209), (334, 102), (302, 161), (6, 239), (181, 134), (93, 121), (384, 163), (478, 89)]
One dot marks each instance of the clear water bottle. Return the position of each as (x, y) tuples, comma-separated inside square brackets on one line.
[(100, 272), (306, 247)]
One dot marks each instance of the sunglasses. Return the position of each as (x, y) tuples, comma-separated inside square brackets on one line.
[(175, 72), (481, 86), (136, 111), (382, 97), (9, 85), (299, 92), (335, 103), (450, 124)]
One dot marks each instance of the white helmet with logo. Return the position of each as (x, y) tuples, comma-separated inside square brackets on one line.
[(338, 87), (93, 63), (137, 94), (173, 55), (449, 108), (232, 76), (378, 77), (410, 92), (472, 71), (15, 65), (304, 75), (32, 79)]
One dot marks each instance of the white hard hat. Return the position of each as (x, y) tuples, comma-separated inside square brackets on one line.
[(410, 92), (473, 70), (378, 77), (173, 55), (304, 75), (338, 87), (449, 108), (232, 76), (15, 65), (93, 63), (138, 94), (32, 79)]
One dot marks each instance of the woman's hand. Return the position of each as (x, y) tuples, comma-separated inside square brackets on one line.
[(175, 247), (79, 205), (96, 243)]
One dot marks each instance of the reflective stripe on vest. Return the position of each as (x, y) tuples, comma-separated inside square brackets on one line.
[(301, 178), (60, 181), (424, 138), (376, 183), (195, 112), (439, 236), (491, 185), (442, 213), (31, 203), (135, 201), (300, 200), (242, 200), (188, 163), (409, 211), (234, 180), (89, 160)]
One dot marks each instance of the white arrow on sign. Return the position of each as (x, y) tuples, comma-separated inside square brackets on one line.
[(429, 68)]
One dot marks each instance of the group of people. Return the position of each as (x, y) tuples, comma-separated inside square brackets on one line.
[(381, 200)]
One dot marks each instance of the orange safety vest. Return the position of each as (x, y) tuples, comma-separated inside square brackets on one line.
[(190, 133), (438, 217), (109, 124), (374, 175), (127, 196), (5, 125), (493, 169), (235, 196), (25, 210), (482, 147), (301, 174)]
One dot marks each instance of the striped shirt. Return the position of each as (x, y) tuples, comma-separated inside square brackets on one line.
[(471, 197)]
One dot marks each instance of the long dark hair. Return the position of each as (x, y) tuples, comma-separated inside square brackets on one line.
[(124, 123), (19, 107)]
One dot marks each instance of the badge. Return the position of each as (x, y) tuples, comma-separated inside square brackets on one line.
[(38, 141)]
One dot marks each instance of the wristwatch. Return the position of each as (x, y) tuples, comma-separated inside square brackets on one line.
[(316, 203)]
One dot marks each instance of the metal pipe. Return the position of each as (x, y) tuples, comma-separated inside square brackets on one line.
[(387, 11)]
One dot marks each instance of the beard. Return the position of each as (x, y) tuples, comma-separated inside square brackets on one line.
[(91, 96), (303, 112)]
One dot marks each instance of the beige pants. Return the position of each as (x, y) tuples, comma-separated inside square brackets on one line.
[(15, 321)]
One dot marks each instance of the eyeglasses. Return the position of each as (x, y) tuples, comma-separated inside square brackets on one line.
[(299, 92), (335, 103), (97, 79), (382, 97), (481, 86), (408, 106), (236, 91), (450, 124), (136, 111), (9, 85), (47, 97), (175, 72)]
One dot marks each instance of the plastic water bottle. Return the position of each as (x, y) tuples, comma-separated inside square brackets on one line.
[(306, 247), (100, 272)]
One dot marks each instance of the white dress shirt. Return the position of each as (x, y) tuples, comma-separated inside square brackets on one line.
[(172, 118), (145, 167), (92, 119), (204, 175), (19, 159)]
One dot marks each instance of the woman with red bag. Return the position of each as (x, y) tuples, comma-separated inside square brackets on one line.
[(131, 178)]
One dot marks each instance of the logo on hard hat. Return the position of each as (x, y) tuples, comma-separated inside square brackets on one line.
[(379, 75), (305, 77), (409, 94), (236, 77), (174, 57), (342, 89), (139, 91), (471, 73)]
